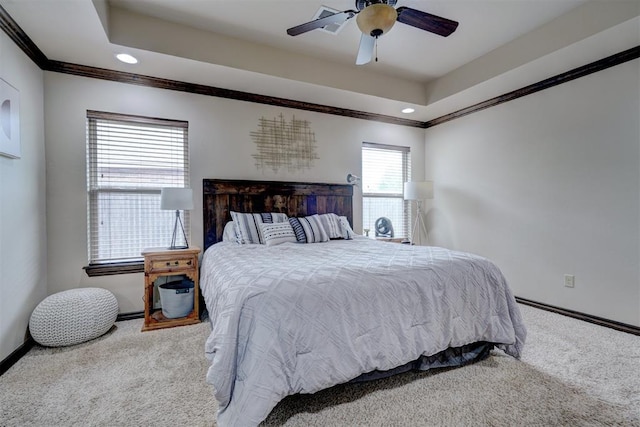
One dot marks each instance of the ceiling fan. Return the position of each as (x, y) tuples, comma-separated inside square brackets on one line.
[(375, 18)]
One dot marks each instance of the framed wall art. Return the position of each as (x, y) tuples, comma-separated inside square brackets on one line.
[(9, 120)]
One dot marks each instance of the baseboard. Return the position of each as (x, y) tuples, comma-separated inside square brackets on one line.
[(13, 358), (619, 326), (130, 316), (624, 327), (17, 354)]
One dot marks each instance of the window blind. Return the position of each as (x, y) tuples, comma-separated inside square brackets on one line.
[(129, 160), (385, 169)]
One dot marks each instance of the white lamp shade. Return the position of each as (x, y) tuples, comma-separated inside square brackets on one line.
[(176, 199), (418, 190)]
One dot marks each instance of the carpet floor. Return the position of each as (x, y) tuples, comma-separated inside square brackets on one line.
[(572, 373)]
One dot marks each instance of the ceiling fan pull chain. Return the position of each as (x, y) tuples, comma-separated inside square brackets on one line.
[(376, 49)]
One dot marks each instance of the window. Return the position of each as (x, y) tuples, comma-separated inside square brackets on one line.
[(129, 160), (385, 169)]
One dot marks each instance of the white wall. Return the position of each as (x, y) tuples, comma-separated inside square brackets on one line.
[(23, 237), (548, 185), (220, 147)]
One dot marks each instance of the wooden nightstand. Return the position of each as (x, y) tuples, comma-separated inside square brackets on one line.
[(160, 266)]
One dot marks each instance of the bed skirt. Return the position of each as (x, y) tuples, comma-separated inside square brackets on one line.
[(449, 358)]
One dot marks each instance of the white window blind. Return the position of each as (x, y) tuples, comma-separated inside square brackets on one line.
[(129, 160), (385, 169)]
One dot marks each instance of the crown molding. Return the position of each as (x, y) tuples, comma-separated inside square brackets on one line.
[(22, 40), (576, 73), (161, 83)]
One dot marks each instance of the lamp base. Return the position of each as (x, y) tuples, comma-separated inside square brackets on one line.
[(177, 247), (419, 224), (175, 234)]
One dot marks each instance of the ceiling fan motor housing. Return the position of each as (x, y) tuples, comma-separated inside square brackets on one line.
[(361, 4), (376, 19)]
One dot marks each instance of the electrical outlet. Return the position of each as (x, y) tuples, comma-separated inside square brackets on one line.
[(569, 280)]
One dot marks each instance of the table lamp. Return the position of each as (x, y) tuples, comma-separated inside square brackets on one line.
[(177, 199)]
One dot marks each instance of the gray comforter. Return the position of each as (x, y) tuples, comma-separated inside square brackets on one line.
[(298, 318)]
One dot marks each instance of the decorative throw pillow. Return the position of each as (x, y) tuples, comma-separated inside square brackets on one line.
[(248, 225), (229, 232), (277, 233), (331, 224), (347, 231), (309, 229)]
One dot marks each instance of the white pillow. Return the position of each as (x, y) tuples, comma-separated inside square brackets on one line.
[(229, 232), (347, 231), (277, 233), (309, 229), (247, 225)]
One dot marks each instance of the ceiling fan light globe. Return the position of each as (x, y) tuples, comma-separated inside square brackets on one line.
[(376, 19)]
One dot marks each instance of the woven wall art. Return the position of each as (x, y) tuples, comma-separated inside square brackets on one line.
[(284, 145)]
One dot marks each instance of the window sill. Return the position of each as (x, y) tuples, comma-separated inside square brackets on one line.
[(114, 268)]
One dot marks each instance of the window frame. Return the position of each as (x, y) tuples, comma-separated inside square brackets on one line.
[(124, 266), (406, 176)]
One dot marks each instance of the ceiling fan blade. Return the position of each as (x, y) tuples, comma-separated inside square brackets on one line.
[(321, 22), (426, 21), (365, 52)]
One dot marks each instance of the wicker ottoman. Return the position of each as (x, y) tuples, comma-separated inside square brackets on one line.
[(73, 316)]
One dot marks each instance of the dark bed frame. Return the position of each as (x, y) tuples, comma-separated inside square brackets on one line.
[(221, 196)]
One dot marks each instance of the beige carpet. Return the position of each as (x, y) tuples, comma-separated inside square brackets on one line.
[(572, 373)]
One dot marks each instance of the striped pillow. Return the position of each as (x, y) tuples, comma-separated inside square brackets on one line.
[(309, 229), (278, 233), (248, 225), (331, 224)]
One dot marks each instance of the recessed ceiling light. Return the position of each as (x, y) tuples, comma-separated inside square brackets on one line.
[(126, 58), (408, 110)]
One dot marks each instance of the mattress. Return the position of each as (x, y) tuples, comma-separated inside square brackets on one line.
[(299, 318)]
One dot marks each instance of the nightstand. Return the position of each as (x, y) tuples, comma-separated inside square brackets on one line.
[(162, 266)]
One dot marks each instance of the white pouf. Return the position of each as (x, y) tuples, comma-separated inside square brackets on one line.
[(73, 316)]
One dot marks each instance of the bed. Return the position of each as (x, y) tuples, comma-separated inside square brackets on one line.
[(298, 318)]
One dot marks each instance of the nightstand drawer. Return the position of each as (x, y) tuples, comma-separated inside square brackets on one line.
[(171, 264)]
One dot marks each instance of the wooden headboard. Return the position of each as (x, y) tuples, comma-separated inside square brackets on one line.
[(221, 196)]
